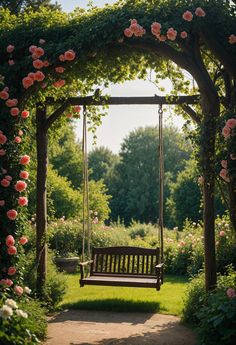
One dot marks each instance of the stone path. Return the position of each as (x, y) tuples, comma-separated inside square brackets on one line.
[(83, 327)]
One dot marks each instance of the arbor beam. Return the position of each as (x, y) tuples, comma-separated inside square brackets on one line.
[(90, 100)]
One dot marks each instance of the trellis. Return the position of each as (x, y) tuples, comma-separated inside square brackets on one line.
[(44, 122)]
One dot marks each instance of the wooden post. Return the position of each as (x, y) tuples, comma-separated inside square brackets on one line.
[(41, 207)]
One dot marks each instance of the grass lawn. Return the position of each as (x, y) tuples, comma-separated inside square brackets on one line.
[(167, 301)]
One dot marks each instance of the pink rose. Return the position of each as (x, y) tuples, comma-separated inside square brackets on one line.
[(8, 177), (171, 34), (39, 76), (5, 183), (18, 290), (32, 49), (155, 28), (3, 139), (41, 41), (183, 34), (11, 271), (77, 109), (31, 75), (232, 39), (224, 175), (38, 64), (24, 175), (2, 152), (17, 140), (11, 102), (10, 48), (231, 293), (224, 164), (188, 16), (69, 55), (4, 95), (20, 186), (10, 241), (23, 240), (15, 111), (46, 63), (24, 160), (62, 58), (60, 69), (226, 132), (59, 83), (231, 123), (12, 214), (128, 32), (23, 201), (20, 132), (39, 52), (25, 114), (222, 233), (7, 282), (200, 12), (27, 82), (11, 250), (11, 62), (133, 21)]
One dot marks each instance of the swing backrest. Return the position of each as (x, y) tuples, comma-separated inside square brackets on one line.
[(124, 261)]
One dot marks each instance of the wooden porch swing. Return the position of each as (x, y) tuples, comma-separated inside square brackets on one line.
[(122, 266)]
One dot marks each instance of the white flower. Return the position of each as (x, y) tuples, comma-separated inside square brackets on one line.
[(6, 312), (11, 303), (21, 313), (27, 290)]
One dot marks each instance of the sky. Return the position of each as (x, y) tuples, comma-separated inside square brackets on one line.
[(123, 119)]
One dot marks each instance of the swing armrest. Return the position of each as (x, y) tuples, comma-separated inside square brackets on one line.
[(82, 265), (159, 271), (85, 263)]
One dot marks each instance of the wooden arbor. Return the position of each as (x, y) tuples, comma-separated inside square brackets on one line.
[(44, 122)]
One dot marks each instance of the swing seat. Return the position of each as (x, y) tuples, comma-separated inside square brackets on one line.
[(123, 266)]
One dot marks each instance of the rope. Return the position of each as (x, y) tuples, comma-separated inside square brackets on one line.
[(161, 181), (86, 215)]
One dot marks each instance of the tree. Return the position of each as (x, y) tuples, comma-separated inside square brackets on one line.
[(17, 6), (135, 186), (101, 162), (65, 155)]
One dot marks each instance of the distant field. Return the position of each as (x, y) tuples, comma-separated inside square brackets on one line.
[(167, 301)]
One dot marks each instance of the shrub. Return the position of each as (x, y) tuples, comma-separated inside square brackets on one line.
[(213, 313), (24, 328), (194, 298), (55, 286), (66, 237)]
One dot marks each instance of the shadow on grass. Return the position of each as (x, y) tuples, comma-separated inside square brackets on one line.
[(115, 304)]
